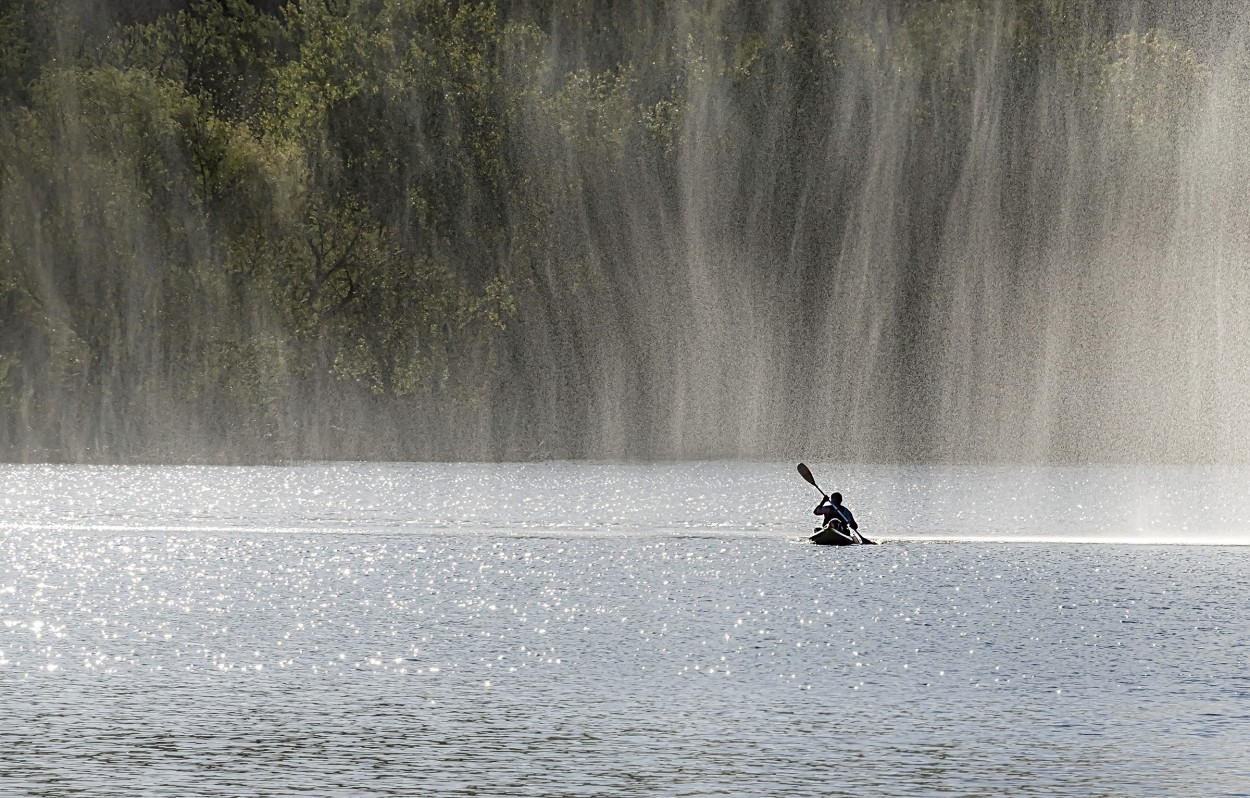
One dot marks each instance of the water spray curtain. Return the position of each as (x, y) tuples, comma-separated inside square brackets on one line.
[(953, 231)]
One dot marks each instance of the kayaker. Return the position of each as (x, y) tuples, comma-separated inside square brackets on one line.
[(833, 511)]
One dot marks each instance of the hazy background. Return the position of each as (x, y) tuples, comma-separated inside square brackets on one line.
[(414, 229)]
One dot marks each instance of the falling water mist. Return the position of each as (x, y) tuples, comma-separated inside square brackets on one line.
[(956, 231), (944, 241)]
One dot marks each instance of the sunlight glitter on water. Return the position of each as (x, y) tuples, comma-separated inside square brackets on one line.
[(555, 662)]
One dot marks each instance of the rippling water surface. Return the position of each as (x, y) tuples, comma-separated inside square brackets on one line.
[(616, 630)]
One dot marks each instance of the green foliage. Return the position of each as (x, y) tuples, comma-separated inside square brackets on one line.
[(210, 211), (28, 34), (1150, 72)]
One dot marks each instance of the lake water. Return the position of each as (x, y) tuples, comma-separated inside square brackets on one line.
[(568, 629)]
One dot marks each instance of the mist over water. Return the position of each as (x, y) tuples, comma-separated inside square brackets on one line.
[(870, 232), (1196, 505)]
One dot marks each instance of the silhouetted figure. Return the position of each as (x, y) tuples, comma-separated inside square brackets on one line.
[(833, 511)]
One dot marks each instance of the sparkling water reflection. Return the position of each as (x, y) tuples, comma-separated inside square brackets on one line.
[(595, 630)]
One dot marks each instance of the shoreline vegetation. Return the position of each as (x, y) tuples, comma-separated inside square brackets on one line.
[(241, 232)]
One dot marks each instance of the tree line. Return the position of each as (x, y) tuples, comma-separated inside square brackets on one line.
[(248, 231)]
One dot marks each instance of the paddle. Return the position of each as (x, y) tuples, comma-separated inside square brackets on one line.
[(806, 473)]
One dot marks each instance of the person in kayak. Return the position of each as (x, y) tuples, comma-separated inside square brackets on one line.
[(833, 511)]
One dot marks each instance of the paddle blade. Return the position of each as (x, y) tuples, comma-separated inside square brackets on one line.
[(806, 473)]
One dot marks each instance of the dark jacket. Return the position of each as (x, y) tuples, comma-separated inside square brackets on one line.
[(833, 511)]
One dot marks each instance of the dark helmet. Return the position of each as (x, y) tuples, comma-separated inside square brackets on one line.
[(836, 498)]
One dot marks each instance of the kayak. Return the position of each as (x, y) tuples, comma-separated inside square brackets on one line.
[(832, 536)]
